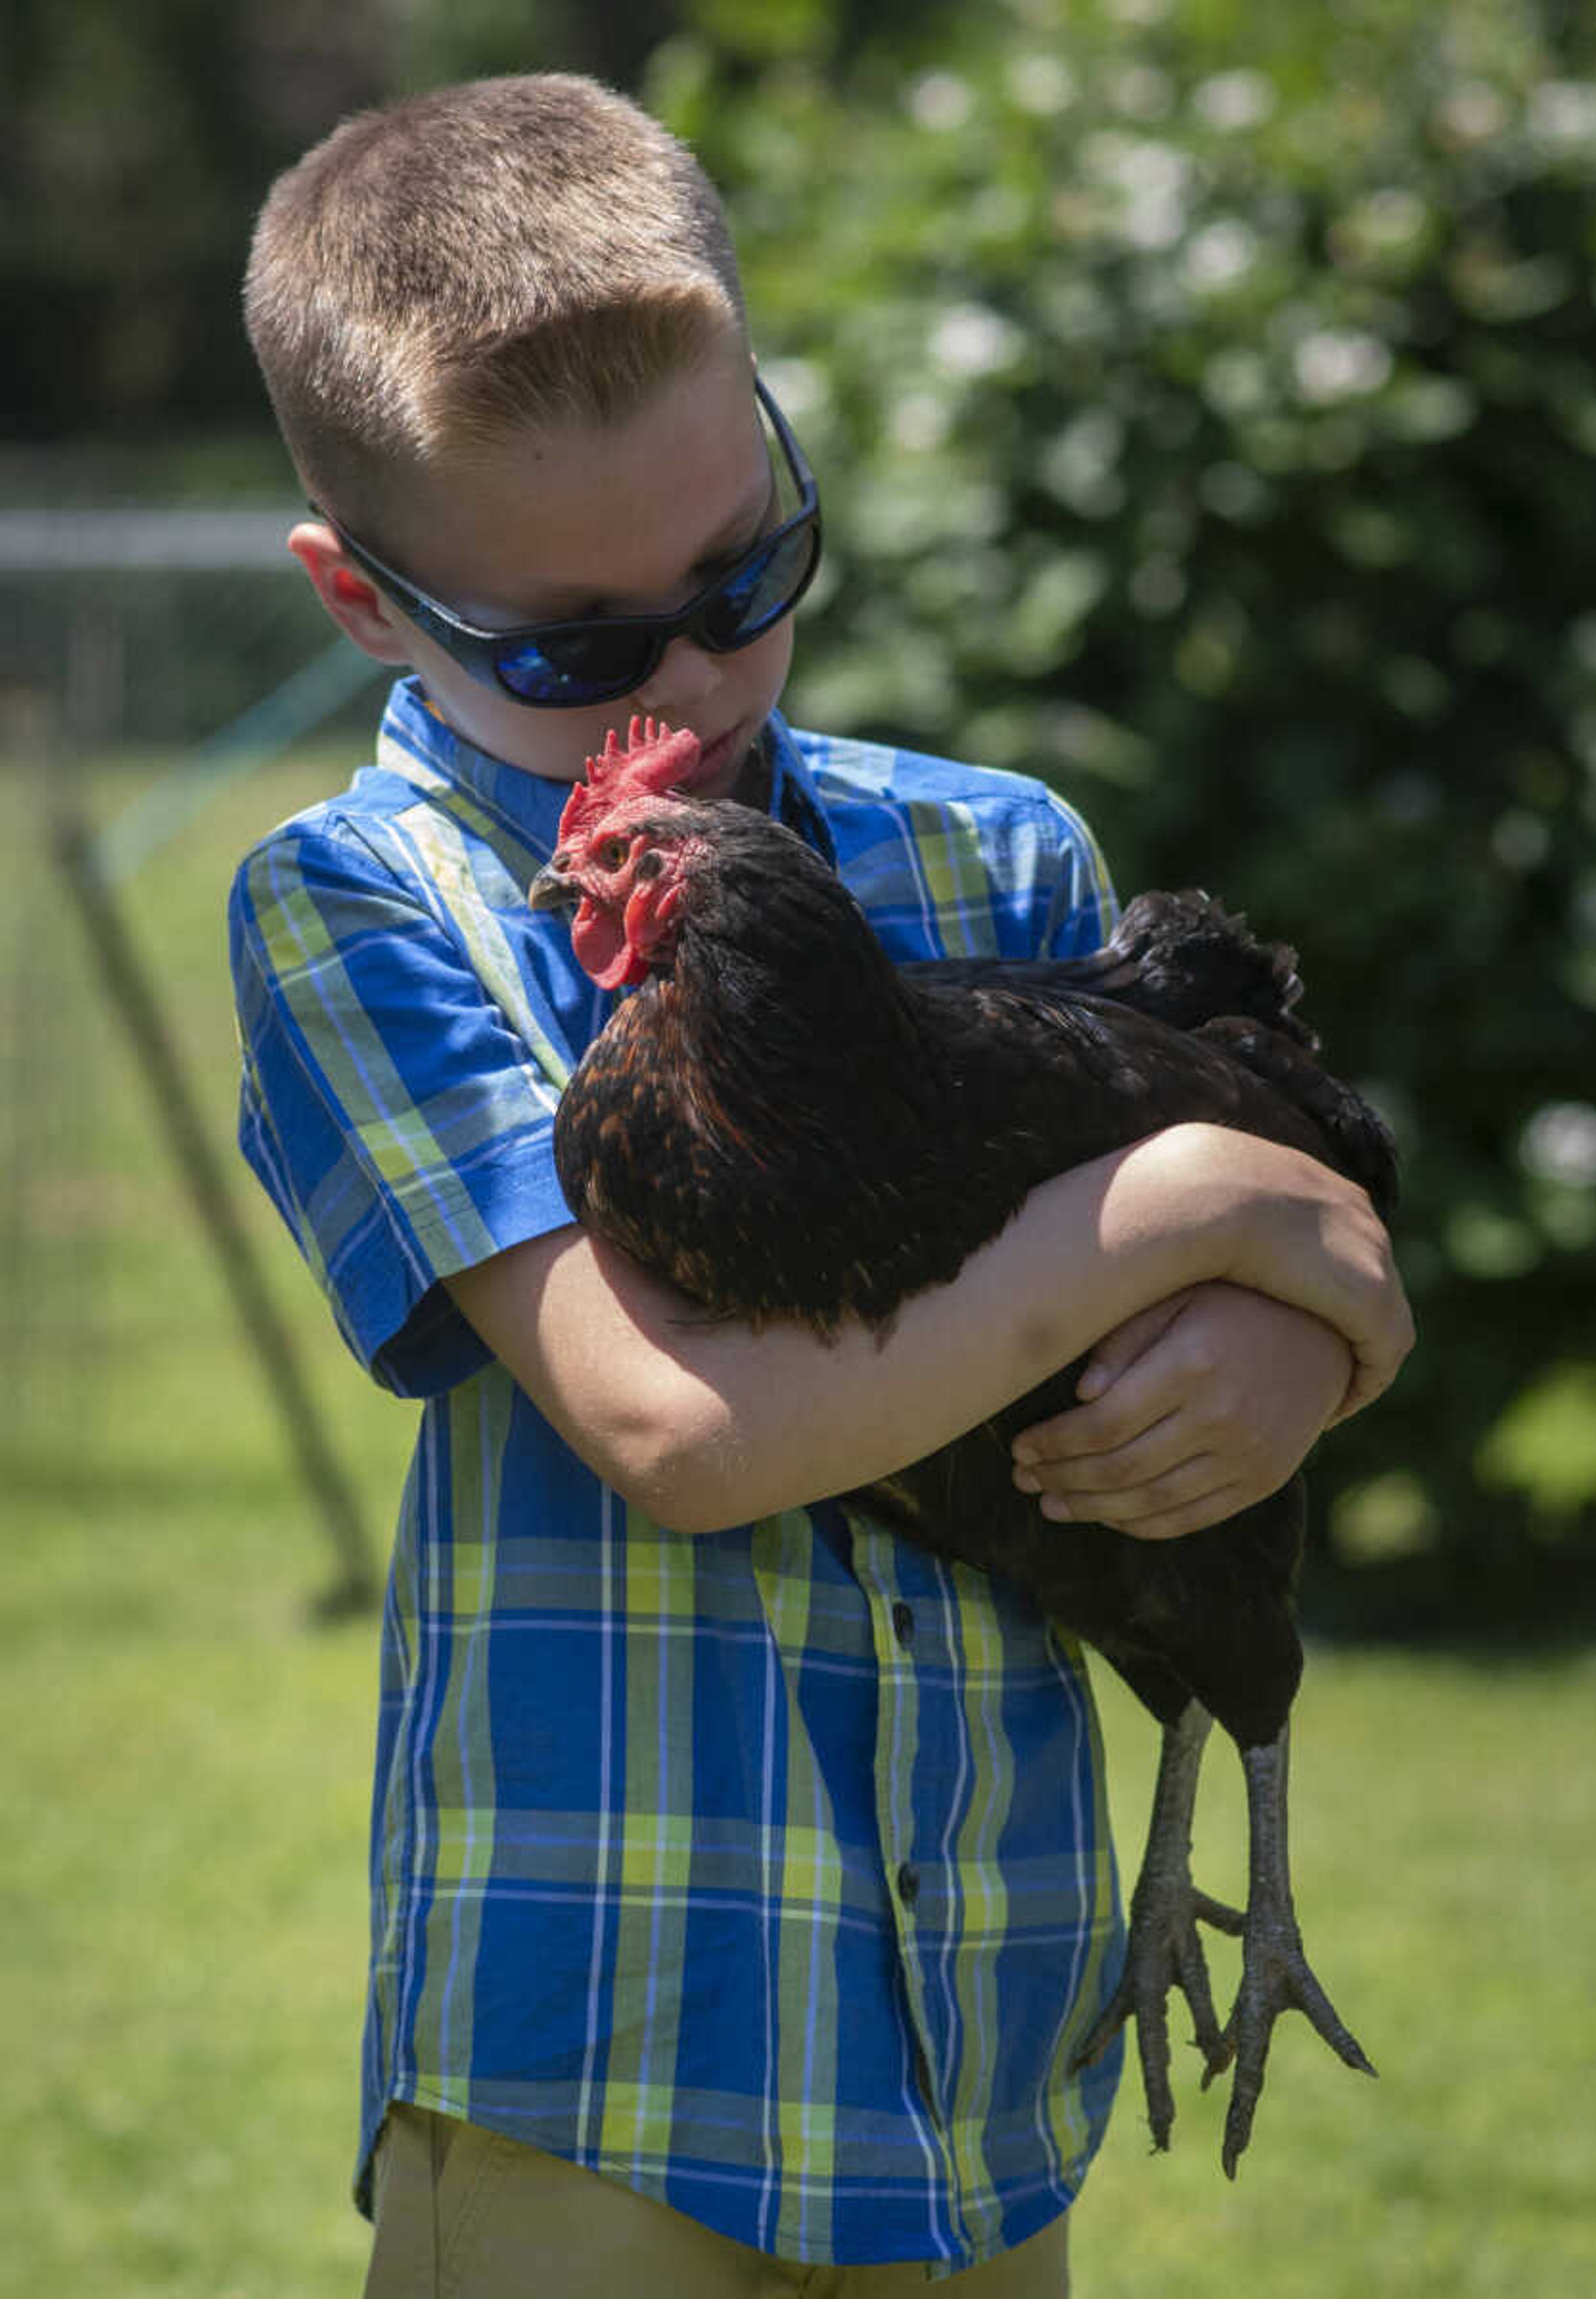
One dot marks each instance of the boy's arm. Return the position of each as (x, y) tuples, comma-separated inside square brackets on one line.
[(706, 1424)]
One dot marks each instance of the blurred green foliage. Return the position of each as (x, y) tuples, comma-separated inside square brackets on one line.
[(139, 143), (1206, 400)]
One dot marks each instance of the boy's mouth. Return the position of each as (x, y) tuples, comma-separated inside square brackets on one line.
[(719, 764)]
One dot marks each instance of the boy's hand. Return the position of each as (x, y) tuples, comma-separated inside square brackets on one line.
[(1189, 1412)]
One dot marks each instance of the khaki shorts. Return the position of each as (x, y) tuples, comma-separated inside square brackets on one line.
[(463, 2214)]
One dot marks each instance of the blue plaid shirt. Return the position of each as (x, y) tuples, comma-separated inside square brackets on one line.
[(767, 1871)]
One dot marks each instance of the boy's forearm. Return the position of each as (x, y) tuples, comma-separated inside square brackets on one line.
[(706, 1424)]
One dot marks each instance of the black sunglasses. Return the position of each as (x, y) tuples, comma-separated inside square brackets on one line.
[(569, 666)]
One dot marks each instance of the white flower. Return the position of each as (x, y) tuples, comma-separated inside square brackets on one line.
[(797, 384), (1336, 363), (1233, 99), (1563, 112), (1151, 182), (1081, 463), (941, 100), (919, 421), (1219, 254), (1473, 112), (1041, 83), (1559, 1144), (1388, 219), (1236, 381), (971, 339)]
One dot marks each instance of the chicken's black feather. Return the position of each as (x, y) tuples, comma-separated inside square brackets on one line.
[(785, 1125)]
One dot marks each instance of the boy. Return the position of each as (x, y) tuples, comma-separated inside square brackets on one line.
[(723, 1849)]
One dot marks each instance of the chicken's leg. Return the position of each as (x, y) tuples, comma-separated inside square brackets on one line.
[(1164, 1949), (1275, 1974)]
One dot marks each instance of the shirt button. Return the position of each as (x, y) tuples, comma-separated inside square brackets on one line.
[(908, 1884), (903, 1623)]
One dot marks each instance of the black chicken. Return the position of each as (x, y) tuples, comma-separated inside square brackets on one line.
[(783, 1123)]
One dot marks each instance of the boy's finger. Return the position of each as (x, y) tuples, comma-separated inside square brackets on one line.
[(1212, 1505), (1118, 1351), (1127, 1503), (1155, 1452), (1133, 1407)]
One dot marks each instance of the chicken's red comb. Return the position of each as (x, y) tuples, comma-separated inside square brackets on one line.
[(655, 760)]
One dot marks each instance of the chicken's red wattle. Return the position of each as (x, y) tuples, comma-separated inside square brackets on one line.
[(602, 950)]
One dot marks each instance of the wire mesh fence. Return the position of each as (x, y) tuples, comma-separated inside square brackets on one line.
[(150, 663), (151, 628)]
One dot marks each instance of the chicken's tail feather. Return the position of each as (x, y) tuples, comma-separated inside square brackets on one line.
[(1360, 1141), (1185, 959)]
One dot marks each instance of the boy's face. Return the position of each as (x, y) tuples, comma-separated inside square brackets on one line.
[(543, 526)]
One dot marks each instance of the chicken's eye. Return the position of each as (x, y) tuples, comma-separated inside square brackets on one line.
[(613, 853)]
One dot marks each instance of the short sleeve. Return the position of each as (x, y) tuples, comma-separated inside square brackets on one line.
[(956, 860), (1082, 908), (401, 1124)]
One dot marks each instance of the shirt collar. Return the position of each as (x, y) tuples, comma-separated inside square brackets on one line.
[(794, 798), (416, 736)]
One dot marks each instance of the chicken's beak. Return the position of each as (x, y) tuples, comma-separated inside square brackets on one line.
[(554, 888)]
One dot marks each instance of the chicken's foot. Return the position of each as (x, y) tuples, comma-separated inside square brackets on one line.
[(1164, 1949), (1275, 1974)]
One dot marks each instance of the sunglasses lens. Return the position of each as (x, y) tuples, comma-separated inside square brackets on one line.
[(759, 592), (578, 664)]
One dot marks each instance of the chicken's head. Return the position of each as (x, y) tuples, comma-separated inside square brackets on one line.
[(615, 860)]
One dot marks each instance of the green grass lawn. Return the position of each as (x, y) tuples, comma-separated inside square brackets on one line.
[(1442, 1820), (182, 1921)]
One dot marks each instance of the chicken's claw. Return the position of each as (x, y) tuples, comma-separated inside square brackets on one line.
[(1276, 1976), (1164, 1949)]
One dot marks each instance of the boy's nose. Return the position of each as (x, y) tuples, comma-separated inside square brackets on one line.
[(684, 676)]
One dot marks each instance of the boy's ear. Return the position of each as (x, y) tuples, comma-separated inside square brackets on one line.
[(352, 600)]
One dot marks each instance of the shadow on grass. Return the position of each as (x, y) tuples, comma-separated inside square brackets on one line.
[(53, 1497), (51, 1479)]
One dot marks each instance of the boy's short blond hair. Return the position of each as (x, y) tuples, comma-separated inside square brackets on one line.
[(506, 253)]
